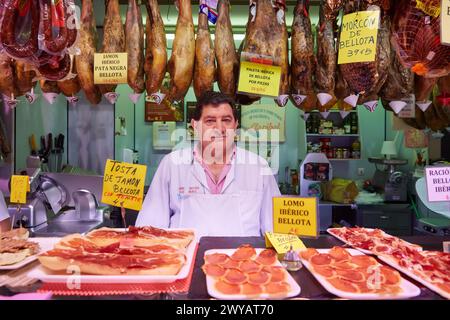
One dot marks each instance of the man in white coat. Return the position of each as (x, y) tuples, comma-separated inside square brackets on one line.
[(214, 187)]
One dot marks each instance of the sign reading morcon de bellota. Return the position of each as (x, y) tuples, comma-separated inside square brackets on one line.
[(123, 184), (438, 183)]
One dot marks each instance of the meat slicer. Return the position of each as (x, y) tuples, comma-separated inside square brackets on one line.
[(390, 181), (59, 204)]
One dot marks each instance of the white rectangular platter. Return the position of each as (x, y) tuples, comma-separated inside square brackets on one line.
[(210, 281), (46, 275), (429, 285), (409, 290), (44, 243)]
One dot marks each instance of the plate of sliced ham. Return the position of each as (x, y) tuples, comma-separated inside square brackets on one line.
[(247, 273), (349, 274), (370, 241)]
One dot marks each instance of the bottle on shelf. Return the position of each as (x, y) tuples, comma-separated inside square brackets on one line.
[(356, 149), (354, 123)]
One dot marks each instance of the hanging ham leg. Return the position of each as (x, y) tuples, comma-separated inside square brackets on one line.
[(70, 87), (85, 60), (113, 36), (134, 39), (181, 63), (24, 77), (227, 60), (303, 59), (156, 49), (205, 66), (7, 77), (326, 63)]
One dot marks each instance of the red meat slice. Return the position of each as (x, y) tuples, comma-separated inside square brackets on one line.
[(277, 288), (227, 288), (343, 285), (363, 261), (321, 259), (234, 276), (325, 271), (339, 254), (244, 252), (259, 278), (213, 270), (277, 273), (231, 264), (267, 257), (251, 289), (308, 253), (249, 266), (216, 258), (351, 275)]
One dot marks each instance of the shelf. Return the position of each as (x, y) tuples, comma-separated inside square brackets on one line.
[(337, 159), (331, 135)]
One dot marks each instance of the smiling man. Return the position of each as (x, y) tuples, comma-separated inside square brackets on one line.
[(214, 186)]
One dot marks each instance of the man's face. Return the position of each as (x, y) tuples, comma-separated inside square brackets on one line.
[(216, 127)]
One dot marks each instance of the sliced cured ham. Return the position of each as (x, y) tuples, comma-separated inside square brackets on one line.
[(350, 275), (344, 265), (267, 257), (363, 261), (343, 285), (235, 276), (277, 288), (213, 270), (227, 288), (391, 276), (244, 252), (325, 271), (259, 278), (249, 266), (277, 273), (85, 60), (321, 259), (134, 44), (217, 258), (308, 253), (231, 264), (339, 254), (181, 63), (251, 289)]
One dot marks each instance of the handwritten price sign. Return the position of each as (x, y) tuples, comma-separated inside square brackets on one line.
[(19, 188), (123, 184)]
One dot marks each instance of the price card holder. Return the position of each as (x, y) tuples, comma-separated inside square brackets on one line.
[(19, 187), (123, 184)]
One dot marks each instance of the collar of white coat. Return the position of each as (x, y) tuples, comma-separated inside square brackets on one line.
[(199, 172)]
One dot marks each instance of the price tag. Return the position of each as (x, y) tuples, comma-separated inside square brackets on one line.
[(259, 79), (283, 242), (110, 68), (438, 183), (358, 39), (123, 184), (19, 187), (295, 215)]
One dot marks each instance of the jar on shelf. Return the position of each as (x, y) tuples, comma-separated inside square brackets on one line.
[(325, 144)]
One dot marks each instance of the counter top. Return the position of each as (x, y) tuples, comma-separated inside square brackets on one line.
[(311, 288)]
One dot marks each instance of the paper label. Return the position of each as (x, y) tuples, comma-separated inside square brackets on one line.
[(123, 184), (110, 68), (295, 215), (358, 39), (282, 243), (259, 79), (19, 187), (438, 183)]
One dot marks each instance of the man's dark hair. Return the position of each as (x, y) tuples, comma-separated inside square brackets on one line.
[(214, 99)]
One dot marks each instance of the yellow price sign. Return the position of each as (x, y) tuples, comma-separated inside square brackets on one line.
[(110, 68), (282, 243), (259, 79), (123, 184), (358, 40), (295, 215), (445, 22), (19, 187)]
